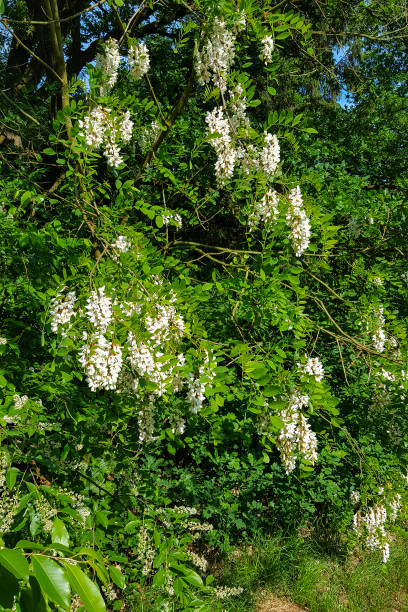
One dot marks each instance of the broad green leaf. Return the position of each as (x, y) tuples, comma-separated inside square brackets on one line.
[(15, 562), (32, 600), (59, 533), (52, 580), (85, 588), (11, 477), (8, 588)]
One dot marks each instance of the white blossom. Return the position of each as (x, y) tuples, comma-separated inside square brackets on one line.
[(296, 437), (99, 309), (237, 108), (298, 222), (139, 60), (146, 421), (219, 129), (378, 337), (121, 245), (312, 367), (102, 362), (108, 62), (268, 45), (266, 210), (62, 310), (270, 154), (354, 497), (147, 135), (217, 55), (174, 218), (102, 127)]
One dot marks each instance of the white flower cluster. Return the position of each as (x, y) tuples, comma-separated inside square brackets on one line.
[(108, 62), (298, 222), (173, 219), (222, 592), (216, 57), (268, 45), (220, 130), (177, 423), (237, 108), (196, 386), (19, 401), (139, 60), (3, 340), (101, 127), (145, 551), (99, 309), (151, 356), (296, 437), (102, 362), (198, 561), (270, 154), (370, 527), (404, 276), (121, 245), (145, 421), (266, 210), (379, 338), (147, 135), (61, 311), (9, 500), (312, 367)]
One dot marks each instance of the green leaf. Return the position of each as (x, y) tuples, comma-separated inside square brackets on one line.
[(49, 151), (9, 588), (11, 477), (2, 7), (52, 580), (59, 533), (15, 562), (117, 577), (159, 221), (32, 600), (85, 588), (193, 578)]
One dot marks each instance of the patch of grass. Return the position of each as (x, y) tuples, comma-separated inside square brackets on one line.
[(292, 568)]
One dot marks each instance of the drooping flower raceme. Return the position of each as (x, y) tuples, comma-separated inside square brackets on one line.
[(99, 309), (103, 127), (219, 129), (237, 110), (108, 62), (370, 527), (298, 222), (173, 219), (312, 367), (379, 338), (270, 154), (62, 311), (146, 357), (296, 437), (102, 362), (121, 245), (268, 45), (139, 60), (266, 210), (217, 55), (147, 135)]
